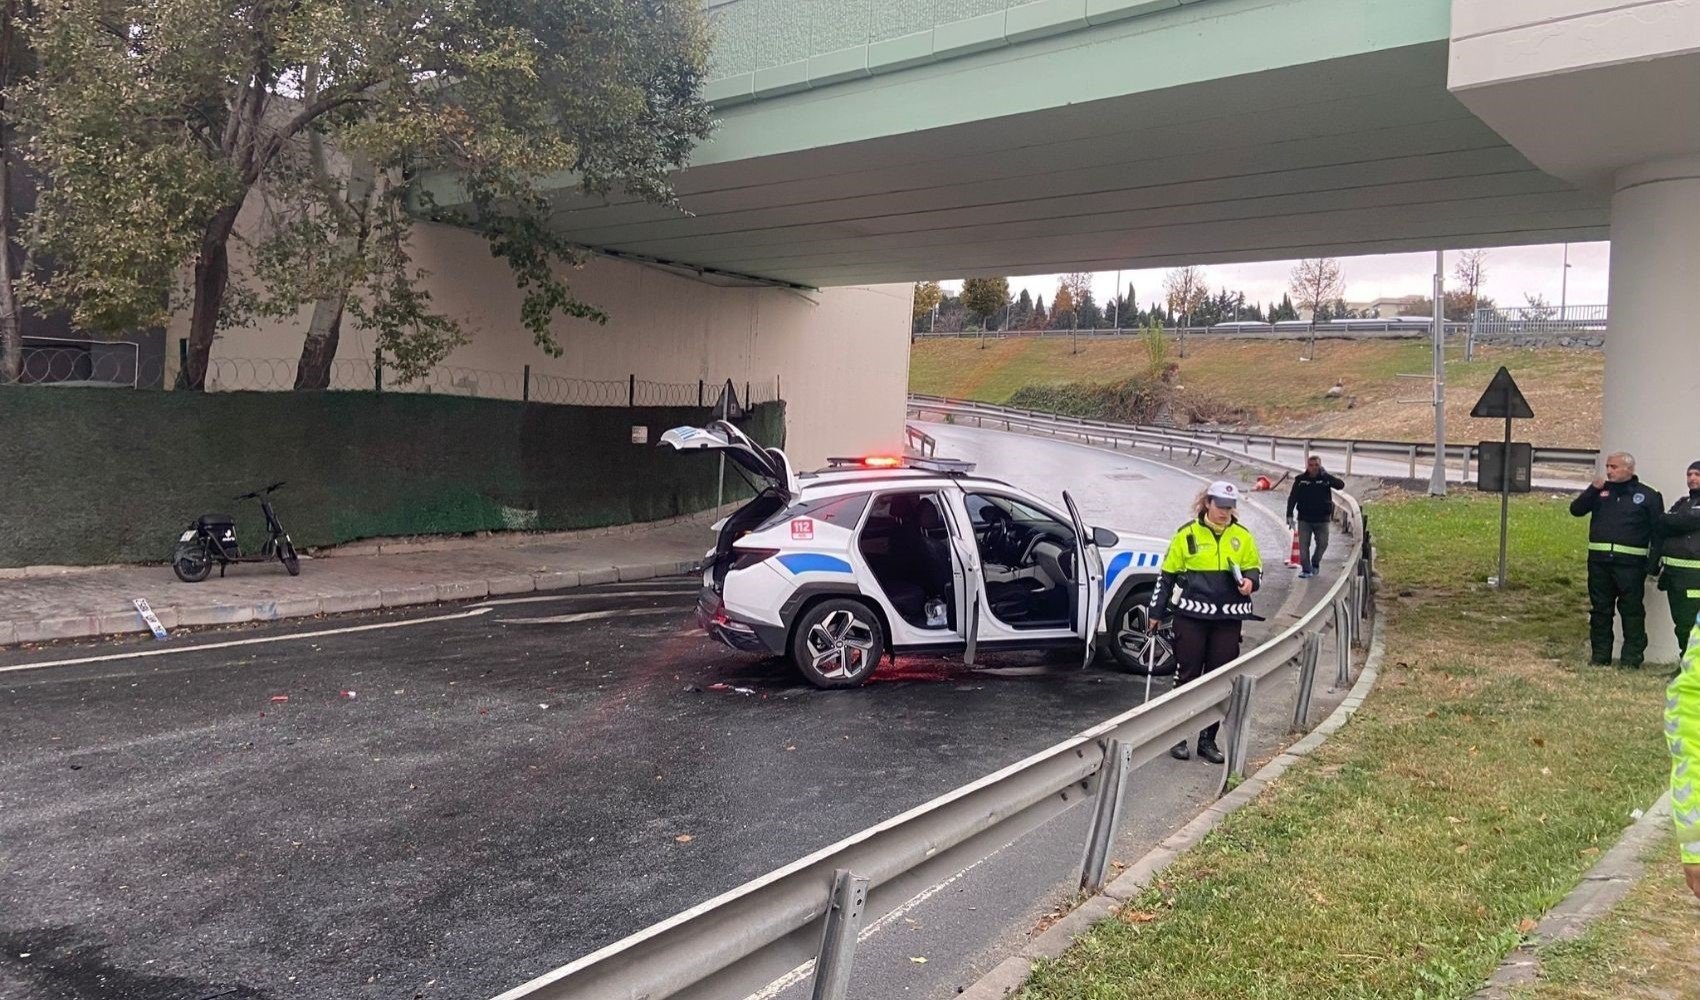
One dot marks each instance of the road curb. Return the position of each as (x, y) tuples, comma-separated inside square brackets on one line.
[(337, 602), (1003, 980), (1601, 888)]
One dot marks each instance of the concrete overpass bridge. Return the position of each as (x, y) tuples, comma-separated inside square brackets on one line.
[(869, 141), (866, 141)]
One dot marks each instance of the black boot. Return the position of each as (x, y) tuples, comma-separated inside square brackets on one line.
[(1180, 752), (1207, 751)]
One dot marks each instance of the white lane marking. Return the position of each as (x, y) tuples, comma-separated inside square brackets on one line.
[(587, 616), (258, 640), (807, 969), (585, 596)]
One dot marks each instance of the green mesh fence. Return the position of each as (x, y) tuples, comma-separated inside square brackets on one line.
[(93, 476)]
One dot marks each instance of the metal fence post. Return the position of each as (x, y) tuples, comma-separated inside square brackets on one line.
[(1309, 655), (631, 391), (1106, 814), (699, 392), (525, 386), (1342, 645), (1238, 724), (1350, 447), (378, 373), (838, 939), (1413, 461)]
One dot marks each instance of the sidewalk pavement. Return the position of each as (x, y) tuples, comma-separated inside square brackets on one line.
[(76, 603)]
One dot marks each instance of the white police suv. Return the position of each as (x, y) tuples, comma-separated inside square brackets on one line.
[(875, 556)]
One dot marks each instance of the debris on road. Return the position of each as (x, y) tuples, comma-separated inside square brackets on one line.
[(350, 695), (684, 838), (278, 699)]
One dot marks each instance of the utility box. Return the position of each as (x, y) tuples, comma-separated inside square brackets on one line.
[(1492, 467)]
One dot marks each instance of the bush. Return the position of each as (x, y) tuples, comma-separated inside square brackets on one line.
[(1136, 400)]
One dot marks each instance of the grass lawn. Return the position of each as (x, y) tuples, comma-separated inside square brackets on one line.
[(1486, 772), (1289, 395), (1647, 947)]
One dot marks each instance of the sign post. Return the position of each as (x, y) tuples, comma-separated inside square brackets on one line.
[(1504, 399)]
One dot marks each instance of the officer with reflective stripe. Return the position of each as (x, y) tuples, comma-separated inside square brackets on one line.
[(1682, 733), (1208, 576), (1679, 549), (1621, 555)]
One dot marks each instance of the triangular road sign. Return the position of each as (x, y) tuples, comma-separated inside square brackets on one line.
[(1503, 399), (727, 405)]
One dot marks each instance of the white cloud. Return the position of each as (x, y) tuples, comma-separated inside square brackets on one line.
[(1512, 272)]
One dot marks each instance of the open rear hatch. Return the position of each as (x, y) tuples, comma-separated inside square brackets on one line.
[(774, 480)]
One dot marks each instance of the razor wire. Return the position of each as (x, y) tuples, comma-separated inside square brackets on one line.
[(119, 364)]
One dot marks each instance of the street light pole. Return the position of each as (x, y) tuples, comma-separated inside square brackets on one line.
[(1117, 325), (1564, 284), (1437, 478)]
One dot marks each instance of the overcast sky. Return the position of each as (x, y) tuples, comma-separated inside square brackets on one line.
[(1512, 272)]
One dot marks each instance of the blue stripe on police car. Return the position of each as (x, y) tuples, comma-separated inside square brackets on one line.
[(813, 562)]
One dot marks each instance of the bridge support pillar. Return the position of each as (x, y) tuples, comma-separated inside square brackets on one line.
[(1652, 384)]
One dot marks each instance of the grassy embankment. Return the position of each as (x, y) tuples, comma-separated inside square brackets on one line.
[(1281, 393), (1484, 775)]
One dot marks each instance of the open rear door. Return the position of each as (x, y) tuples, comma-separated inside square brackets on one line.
[(1088, 582), (969, 582), (768, 464)]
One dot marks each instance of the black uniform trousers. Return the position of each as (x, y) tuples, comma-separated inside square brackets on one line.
[(1618, 589), (1200, 647), (1682, 587)]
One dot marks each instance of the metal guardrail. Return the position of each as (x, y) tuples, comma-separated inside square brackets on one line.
[(919, 441), (1357, 328), (1351, 449), (810, 910)]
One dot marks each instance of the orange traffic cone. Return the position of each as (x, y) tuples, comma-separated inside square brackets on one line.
[(1293, 556)]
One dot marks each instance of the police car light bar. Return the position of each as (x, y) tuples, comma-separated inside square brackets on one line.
[(943, 466)]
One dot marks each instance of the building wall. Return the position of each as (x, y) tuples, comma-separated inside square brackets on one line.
[(840, 355)]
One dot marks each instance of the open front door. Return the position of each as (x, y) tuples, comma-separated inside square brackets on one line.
[(970, 584), (1088, 582)]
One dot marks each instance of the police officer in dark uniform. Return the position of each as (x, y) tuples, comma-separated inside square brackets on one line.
[(1679, 550), (1622, 553)]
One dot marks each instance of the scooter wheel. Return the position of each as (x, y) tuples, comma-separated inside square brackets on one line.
[(286, 555), (191, 562)]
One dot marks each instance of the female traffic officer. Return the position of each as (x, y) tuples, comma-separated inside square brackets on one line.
[(1207, 580)]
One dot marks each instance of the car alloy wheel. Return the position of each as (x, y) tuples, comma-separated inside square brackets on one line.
[(841, 645)]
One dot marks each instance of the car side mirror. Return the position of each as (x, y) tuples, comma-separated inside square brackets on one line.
[(1104, 538)]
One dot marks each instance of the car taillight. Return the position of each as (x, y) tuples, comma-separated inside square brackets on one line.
[(745, 558)]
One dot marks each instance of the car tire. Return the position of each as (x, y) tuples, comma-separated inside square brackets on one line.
[(1132, 647), (838, 643)]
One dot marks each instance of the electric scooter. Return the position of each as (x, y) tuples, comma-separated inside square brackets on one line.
[(212, 538)]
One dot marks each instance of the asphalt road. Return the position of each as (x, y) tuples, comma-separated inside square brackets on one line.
[(447, 807)]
